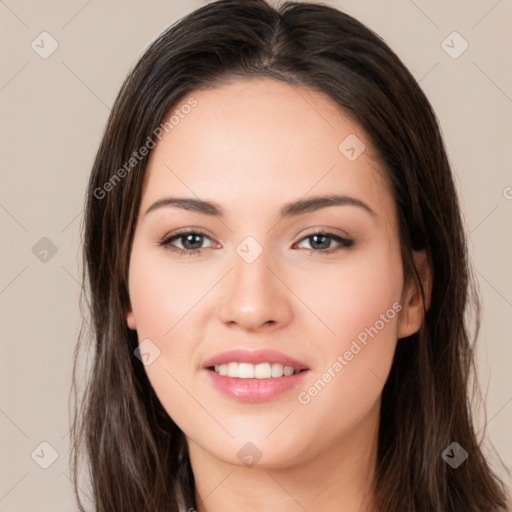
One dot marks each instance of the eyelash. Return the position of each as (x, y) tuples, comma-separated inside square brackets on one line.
[(345, 243)]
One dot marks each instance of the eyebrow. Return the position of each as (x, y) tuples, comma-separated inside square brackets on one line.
[(291, 209)]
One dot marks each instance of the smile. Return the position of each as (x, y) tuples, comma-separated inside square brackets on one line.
[(254, 371)]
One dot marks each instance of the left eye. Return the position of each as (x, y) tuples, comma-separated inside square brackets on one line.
[(316, 239)]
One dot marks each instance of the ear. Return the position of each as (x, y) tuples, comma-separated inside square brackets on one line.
[(130, 320), (412, 314)]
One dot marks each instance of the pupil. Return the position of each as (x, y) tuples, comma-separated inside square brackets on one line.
[(326, 245), (188, 239)]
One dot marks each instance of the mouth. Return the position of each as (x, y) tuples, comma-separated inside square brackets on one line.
[(254, 375)]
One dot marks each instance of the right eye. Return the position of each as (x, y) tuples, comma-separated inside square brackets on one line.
[(187, 238)]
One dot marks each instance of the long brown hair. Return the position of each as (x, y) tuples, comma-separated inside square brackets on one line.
[(137, 456)]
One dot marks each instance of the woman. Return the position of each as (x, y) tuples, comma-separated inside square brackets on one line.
[(278, 278)]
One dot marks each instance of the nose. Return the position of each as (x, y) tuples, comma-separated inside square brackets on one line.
[(254, 296)]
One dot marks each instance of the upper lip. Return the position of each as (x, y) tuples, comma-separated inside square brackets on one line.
[(241, 355)]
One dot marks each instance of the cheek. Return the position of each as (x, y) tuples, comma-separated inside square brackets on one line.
[(348, 388), (162, 302), (161, 294), (351, 295), (360, 304)]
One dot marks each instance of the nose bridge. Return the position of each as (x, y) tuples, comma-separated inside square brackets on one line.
[(254, 296), (252, 277)]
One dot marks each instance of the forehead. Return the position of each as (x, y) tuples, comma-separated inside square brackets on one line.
[(262, 139)]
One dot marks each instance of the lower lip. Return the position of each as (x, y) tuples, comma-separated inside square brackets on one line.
[(254, 390)]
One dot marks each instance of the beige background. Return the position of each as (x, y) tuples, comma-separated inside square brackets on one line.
[(53, 114)]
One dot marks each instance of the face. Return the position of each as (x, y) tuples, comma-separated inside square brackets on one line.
[(317, 288)]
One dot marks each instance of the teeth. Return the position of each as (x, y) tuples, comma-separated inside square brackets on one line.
[(245, 370), (254, 371), (277, 370), (288, 370)]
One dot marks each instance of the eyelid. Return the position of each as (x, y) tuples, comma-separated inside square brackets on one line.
[(184, 231), (325, 230)]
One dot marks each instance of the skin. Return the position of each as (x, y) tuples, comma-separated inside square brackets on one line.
[(252, 146)]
